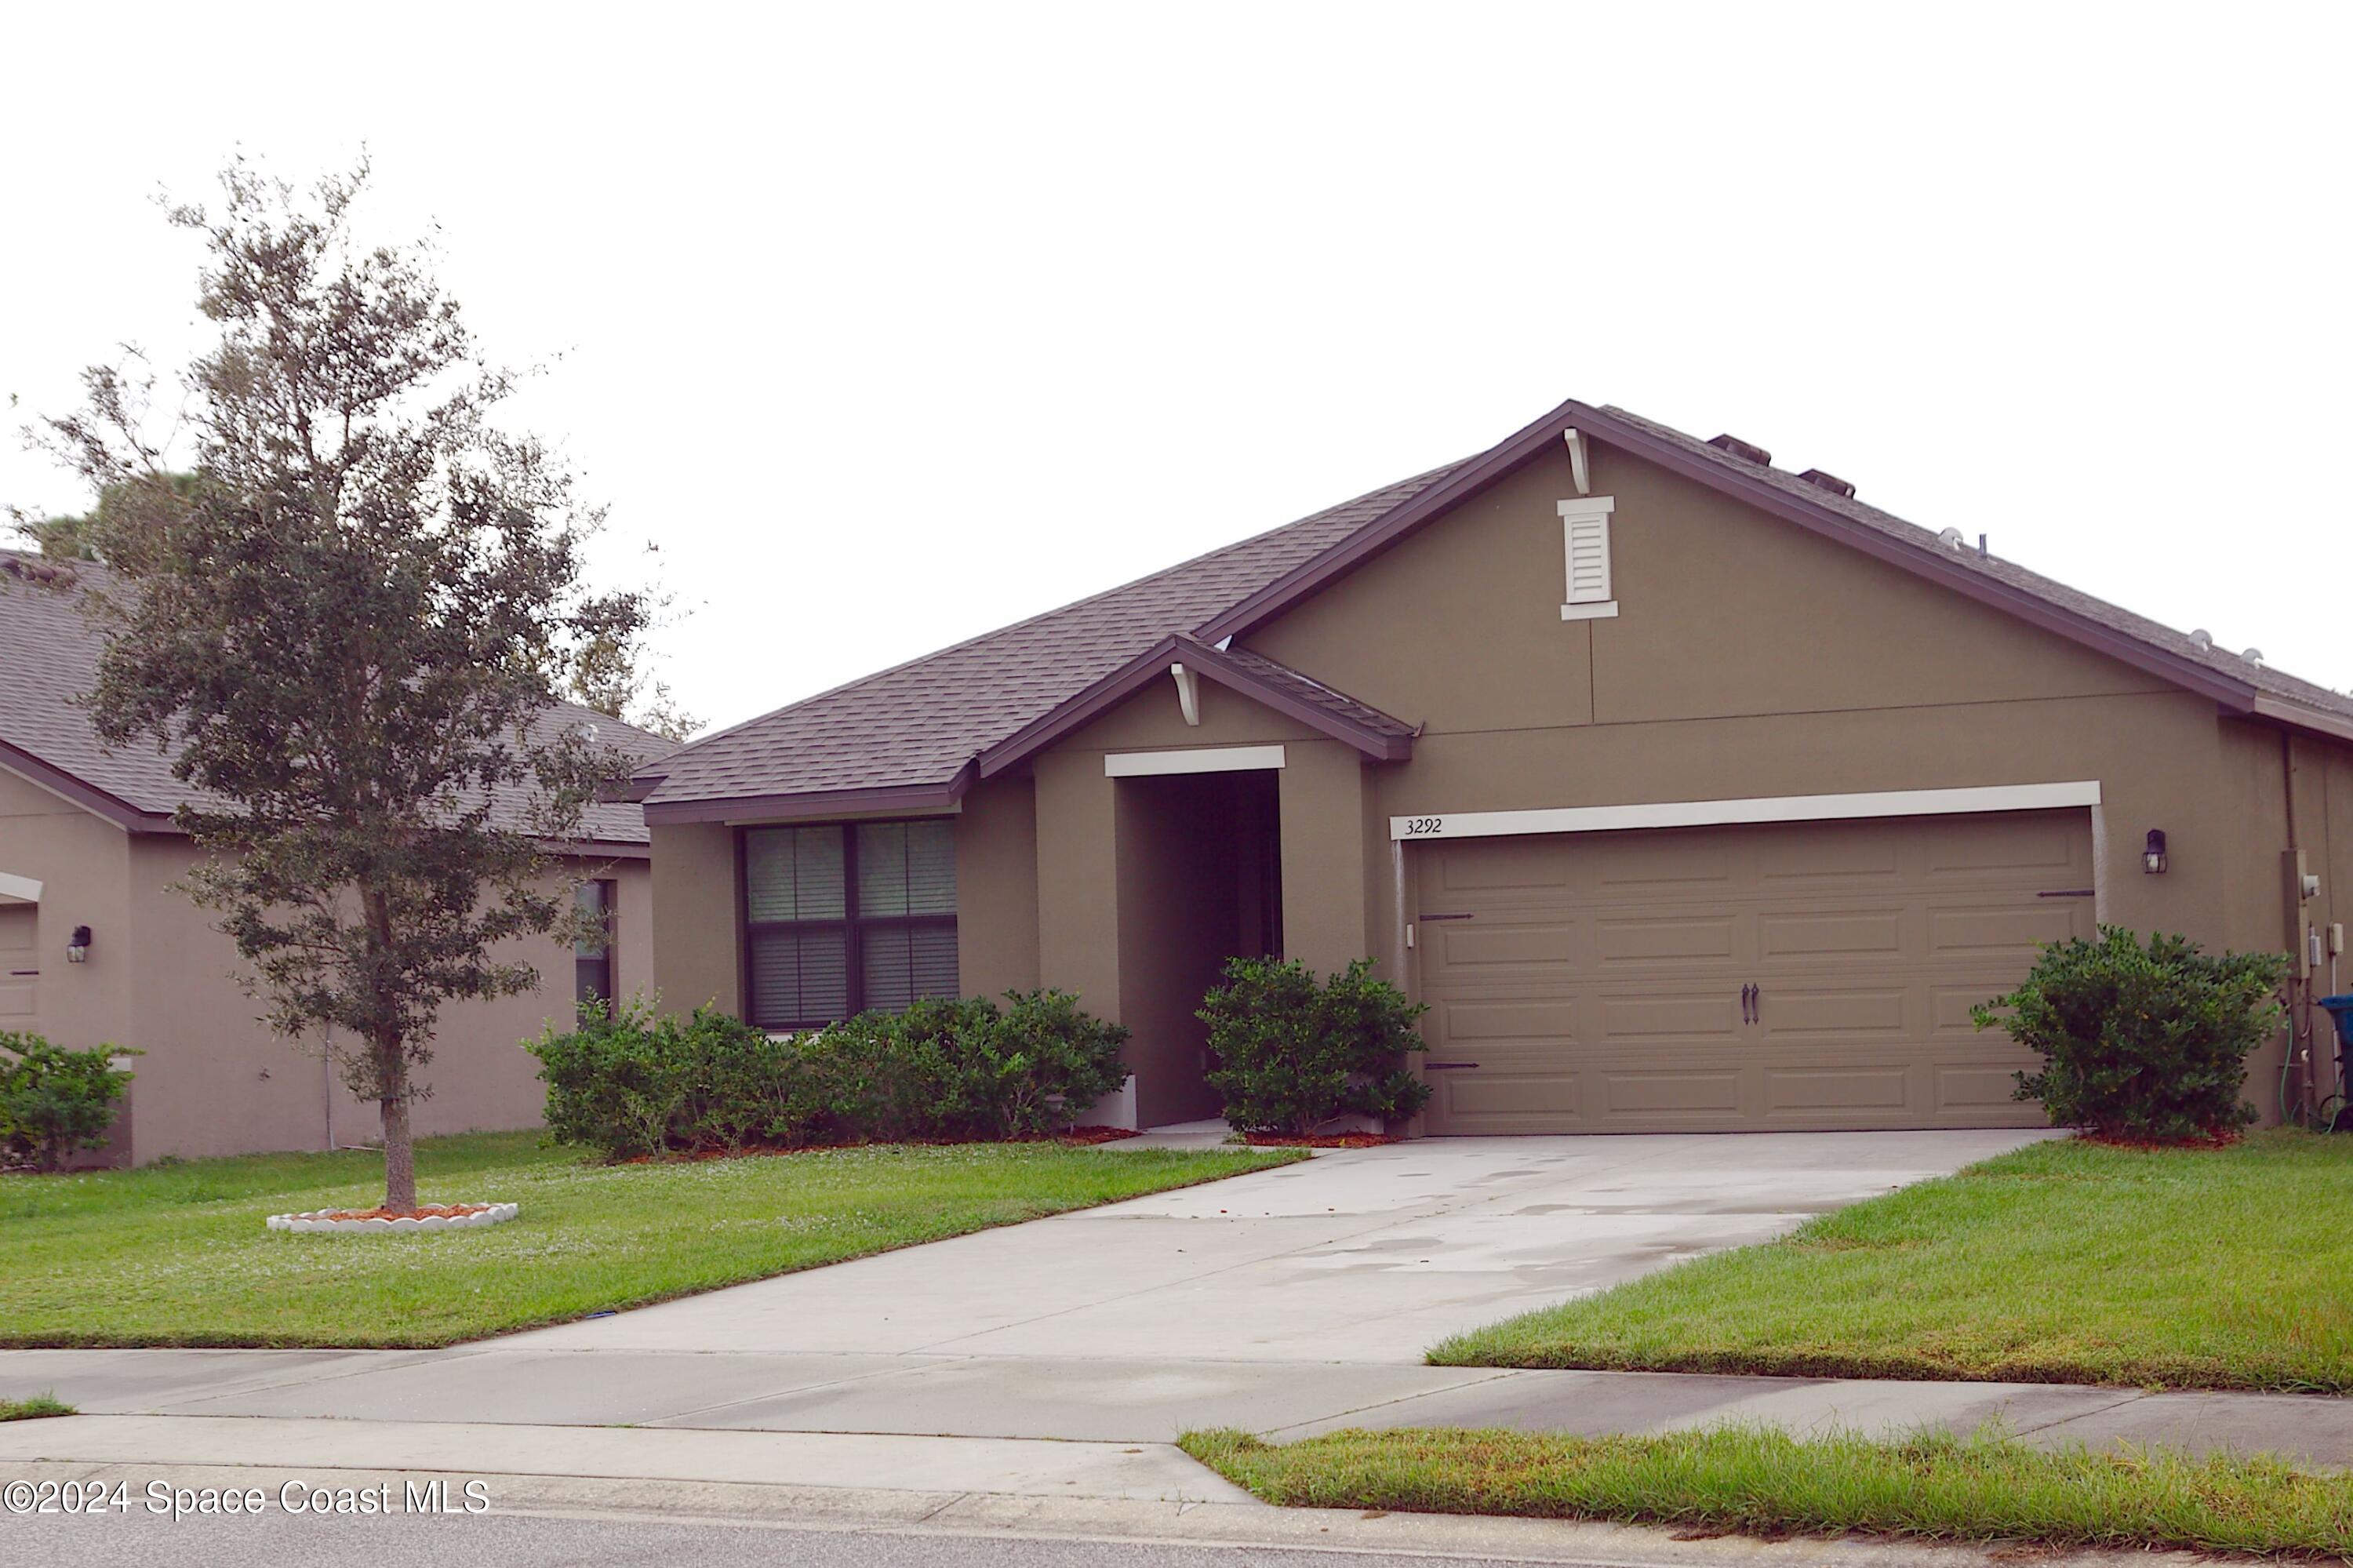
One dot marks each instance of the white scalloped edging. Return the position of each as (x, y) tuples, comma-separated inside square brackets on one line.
[(317, 1221)]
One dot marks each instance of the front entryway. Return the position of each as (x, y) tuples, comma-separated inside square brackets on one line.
[(1200, 881), (1814, 975)]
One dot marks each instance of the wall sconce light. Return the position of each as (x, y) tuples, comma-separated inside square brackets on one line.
[(78, 945), (2152, 858)]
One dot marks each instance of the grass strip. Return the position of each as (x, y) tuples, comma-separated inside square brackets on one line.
[(2063, 1262), (177, 1255), (33, 1409), (1763, 1481)]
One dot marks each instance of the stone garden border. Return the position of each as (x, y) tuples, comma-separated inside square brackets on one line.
[(323, 1221)]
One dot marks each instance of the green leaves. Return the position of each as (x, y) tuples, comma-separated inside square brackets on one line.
[(1293, 1054), (2144, 1042), (54, 1101), (636, 1083)]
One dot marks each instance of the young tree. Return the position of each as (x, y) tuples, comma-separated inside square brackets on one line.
[(349, 632)]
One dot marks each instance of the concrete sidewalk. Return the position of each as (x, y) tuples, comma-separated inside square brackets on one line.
[(1123, 1399)]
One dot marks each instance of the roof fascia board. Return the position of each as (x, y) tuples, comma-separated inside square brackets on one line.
[(1369, 541), (914, 798), (2297, 717), (1213, 663), (96, 801), (2237, 696), (1150, 665)]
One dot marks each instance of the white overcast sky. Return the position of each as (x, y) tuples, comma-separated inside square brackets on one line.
[(892, 324)]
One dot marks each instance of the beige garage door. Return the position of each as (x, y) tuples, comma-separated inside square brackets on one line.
[(1597, 982)]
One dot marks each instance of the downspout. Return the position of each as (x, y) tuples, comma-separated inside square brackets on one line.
[(2299, 1009)]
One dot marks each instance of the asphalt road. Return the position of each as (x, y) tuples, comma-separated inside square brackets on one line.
[(522, 1541)]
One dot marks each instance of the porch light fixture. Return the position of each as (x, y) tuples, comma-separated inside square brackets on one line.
[(2152, 857), (78, 945)]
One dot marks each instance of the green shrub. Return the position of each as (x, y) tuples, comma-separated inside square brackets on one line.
[(1024, 1072), (1292, 1055), (54, 1102), (2141, 1042), (633, 1082)]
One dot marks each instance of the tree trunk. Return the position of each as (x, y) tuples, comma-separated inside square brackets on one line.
[(399, 1151)]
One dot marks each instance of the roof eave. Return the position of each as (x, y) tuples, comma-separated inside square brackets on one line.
[(88, 797), (911, 798), (2296, 715), (2235, 695), (1148, 666)]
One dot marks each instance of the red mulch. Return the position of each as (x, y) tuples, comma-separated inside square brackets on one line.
[(2222, 1138), (426, 1211), (1327, 1141), (1076, 1137)]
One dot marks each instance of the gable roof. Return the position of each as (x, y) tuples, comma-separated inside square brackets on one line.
[(917, 735), (904, 736), (49, 657), (1377, 735)]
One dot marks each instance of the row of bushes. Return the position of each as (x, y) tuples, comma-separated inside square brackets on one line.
[(630, 1082), (54, 1103)]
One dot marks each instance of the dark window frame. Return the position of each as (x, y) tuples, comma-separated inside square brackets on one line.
[(609, 897), (851, 922)]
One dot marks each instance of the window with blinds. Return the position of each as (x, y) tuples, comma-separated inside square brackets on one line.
[(592, 948), (841, 918)]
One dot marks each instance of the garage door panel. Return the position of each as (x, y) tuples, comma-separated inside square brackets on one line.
[(1876, 933), (1812, 856), (2004, 845), (2014, 931), (1815, 1089), (1602, 990), (1861, 1009), (1672, 1093), (1537, 1018), (1507, 1094), (1470, 946), (1622, 940), (1679, 1016)]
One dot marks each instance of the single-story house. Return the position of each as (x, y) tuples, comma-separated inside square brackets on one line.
[(88, 858), (1688, 791)]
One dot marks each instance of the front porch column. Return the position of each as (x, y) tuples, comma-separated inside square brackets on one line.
[(1078, 895), (1325, 795)]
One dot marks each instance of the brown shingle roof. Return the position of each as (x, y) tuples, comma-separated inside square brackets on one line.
[(49, 657), (918, 726), (919, 723)]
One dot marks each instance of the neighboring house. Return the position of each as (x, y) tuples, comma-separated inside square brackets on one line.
[(1689, 793), (87, 843)]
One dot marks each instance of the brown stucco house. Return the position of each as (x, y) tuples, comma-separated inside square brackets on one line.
[(1689, 793), (87, 845)]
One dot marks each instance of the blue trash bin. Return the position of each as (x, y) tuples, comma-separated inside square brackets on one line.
[(2340, 1009)]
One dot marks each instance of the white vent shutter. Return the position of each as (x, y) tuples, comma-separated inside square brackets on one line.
[(1585, 531), (1589, 560)]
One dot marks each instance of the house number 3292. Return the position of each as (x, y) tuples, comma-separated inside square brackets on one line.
[(1424, 827)]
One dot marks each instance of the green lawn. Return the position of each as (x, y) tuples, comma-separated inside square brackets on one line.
[(176, 1255), (1764, 1482), (2064, 1261)]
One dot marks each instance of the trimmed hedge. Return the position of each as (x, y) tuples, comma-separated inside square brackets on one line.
[(632, 1081), (1293, 1056), (55, 1102), (2141, 1042)]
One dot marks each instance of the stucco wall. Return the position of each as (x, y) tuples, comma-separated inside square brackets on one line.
[(696, 899), (212, 1079)]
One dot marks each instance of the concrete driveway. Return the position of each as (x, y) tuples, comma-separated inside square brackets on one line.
[(1361, 1256)]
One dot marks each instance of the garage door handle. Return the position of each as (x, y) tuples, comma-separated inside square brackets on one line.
[(1446, 1066), (1747, 1004)]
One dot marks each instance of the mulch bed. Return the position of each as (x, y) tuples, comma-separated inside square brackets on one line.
[(424, 1211), (1327, 1141), (1076, 1137), (2211, 1140)]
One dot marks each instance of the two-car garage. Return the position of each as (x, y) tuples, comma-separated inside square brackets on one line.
[(1789, 975)]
